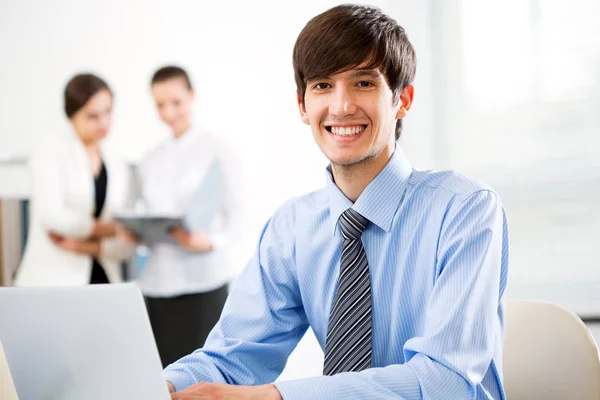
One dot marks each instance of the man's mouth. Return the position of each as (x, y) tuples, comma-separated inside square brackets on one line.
[(346, 130)]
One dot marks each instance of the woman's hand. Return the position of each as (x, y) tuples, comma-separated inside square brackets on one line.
[(126, 235), (104, 229), (89, 247), (192, 241)]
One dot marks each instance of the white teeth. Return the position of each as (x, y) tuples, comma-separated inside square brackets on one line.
[(346, 131)]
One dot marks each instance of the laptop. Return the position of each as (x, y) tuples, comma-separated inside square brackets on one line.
[(89, 342), (7, 387)]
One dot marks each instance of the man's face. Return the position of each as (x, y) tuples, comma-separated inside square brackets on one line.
[(353, 115)]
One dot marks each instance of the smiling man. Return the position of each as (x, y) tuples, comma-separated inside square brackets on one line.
[(400, 273)]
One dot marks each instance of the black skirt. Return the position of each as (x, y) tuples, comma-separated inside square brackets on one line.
[(181, 324), (100, 183)]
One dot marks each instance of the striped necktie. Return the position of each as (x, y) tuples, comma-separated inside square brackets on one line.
[(348, 345)]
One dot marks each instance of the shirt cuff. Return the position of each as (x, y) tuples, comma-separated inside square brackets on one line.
[(374, 383), (308, 388), (180, 381)]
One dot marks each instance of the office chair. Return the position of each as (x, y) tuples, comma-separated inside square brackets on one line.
[(548, 354)]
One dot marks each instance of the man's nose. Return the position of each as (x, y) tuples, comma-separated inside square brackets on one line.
[(343, 102)]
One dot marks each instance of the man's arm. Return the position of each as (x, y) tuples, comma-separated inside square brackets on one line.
[(261, 323), (463, 327)]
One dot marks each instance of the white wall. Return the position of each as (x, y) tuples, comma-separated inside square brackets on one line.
[(239, 57)]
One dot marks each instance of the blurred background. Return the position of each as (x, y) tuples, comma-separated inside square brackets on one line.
[(507, 91)]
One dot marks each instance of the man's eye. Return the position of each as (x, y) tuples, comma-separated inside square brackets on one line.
[(321, 86), (364, 84)]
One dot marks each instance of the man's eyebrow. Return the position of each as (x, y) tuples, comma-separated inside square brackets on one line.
[(371, 73)]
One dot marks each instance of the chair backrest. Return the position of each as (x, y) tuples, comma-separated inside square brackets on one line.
[(7, 386), (548, 354)]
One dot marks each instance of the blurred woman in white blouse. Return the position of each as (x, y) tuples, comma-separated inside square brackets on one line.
[(77, 185), (185, 283)]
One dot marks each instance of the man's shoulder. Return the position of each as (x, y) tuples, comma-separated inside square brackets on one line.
[(314, 200), (299, 208), (450, 182), (305, 203)]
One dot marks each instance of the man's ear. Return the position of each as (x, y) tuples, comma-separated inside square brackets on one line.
[(406, 99), (302, 109)]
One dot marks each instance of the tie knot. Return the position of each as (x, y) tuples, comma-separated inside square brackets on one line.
[(353, 224)]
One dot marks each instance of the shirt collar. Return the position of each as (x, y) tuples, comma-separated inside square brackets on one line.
[(380, 199), (182, 140)]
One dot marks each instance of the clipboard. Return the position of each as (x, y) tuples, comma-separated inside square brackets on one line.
[(206, 202), (151, 229)]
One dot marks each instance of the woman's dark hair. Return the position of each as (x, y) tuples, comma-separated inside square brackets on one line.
[(80, 89), (171, 72)]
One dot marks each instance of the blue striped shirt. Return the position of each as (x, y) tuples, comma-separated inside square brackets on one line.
[(437, 248)]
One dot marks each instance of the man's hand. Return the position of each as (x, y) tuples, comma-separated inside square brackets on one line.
[(221, 391), (89, 247), (192, 241)]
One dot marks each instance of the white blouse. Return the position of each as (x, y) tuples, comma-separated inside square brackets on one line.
[(169, 177)]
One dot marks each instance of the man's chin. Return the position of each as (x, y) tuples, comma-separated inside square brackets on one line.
[(345, 160)]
